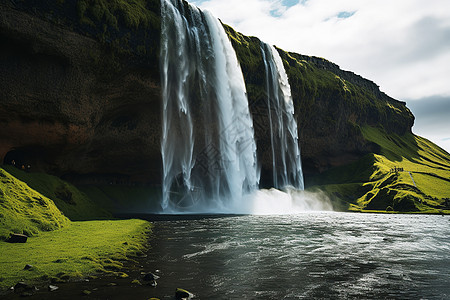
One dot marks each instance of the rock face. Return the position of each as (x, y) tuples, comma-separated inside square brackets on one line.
[(72, 106), (80, 95)]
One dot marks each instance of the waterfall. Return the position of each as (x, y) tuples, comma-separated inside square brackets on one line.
[(208, 147), (286, 163)]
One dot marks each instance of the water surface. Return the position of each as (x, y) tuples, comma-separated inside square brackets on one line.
[(310, 255)]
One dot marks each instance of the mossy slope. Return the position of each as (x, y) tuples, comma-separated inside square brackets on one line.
[(75, 204), (407, 174), (24, 210)]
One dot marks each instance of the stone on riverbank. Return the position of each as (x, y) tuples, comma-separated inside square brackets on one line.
[(17, 238), (182, 294)]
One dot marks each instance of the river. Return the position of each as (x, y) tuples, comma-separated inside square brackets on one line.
[(305, 256)]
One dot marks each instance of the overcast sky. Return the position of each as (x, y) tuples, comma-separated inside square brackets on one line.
[(401, 45)]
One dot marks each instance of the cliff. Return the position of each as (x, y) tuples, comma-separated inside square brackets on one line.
[(80, 96), (76, 101)]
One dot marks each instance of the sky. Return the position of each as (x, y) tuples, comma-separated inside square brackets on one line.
[(401, 45)]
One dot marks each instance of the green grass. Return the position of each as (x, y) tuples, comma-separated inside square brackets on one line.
[(370, 184), (81, 248), (75, 204), (24, 210)]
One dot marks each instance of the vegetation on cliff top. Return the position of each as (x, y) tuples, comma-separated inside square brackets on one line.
[(133, 14)]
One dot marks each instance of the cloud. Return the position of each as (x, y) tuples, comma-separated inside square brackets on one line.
[(402, 45), (432, 119)]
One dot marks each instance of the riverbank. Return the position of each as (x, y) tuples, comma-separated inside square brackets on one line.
[(69, 236), (74, 252)]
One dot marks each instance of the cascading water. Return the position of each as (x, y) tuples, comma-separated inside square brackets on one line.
[(208, 148), (286, 163)]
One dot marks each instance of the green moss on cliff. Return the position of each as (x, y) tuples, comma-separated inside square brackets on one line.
[(24, 210), (408, 174), (133, 14), (68, 199), (316, 80)]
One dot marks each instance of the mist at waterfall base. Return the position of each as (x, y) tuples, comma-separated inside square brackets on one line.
[(208, 147)]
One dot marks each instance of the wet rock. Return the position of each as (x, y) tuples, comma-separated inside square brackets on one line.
[(24, 288), (28, 267), (181, 294), (17, 238), (86, 292), (150, 277), (52, 288)]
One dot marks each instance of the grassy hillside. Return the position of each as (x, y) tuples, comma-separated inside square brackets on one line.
[(407, 174), (24, 210), (75, 204)]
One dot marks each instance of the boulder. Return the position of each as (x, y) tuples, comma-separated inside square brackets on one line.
[(17, 238), (52, 288), (150, 277), (24, 288), (181, 294)]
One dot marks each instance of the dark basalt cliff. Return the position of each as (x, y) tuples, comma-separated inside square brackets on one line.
[(80, 94)]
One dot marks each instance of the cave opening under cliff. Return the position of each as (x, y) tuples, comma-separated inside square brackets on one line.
[(27, 158)]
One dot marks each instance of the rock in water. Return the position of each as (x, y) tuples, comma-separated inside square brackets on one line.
[(182, 294), (24, 288), (150, 277), (52, 288), (17, 238)]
